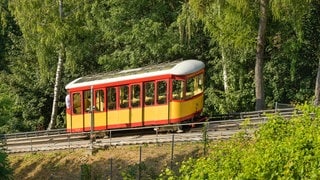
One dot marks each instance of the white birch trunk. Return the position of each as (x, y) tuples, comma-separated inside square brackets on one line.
[(224, 72), (317, 89), (56, 92)]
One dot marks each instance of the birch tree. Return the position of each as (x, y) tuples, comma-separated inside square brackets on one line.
[(49, 27), (290, 11)]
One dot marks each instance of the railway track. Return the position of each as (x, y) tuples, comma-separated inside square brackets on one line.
[(220, 127)]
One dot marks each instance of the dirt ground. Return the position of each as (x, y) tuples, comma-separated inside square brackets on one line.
[(112, 163)]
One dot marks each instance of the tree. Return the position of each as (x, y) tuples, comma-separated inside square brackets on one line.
[(230, 24), (258, 75), (312, 36), (244, 16), (50, 39), (57, 84)]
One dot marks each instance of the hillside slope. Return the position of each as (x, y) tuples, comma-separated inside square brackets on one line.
[(68, 164)]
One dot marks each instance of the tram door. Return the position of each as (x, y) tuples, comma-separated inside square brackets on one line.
[(155, 107), (99, 112), (123, 113), (86, 110), (161, 94), (135, 106), (76, 123)]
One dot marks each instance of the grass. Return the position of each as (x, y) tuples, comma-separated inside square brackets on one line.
[(125, 162)]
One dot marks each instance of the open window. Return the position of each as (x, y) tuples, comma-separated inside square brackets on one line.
[(149, 93), (198, 84), (124, 96), (177, 89), (112, 98), (99, 95), (161, 92), (87, 100), (194, 85), (135, 95), (76, 103)]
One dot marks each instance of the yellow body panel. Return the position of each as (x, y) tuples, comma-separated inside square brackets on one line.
[(68, 121), (87, 120), (100, 119), (185, 108), (154, 113), (77, 122), (136, 116), (123, 117), (112, 117)]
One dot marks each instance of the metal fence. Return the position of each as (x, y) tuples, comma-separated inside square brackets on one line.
[(143, 165)]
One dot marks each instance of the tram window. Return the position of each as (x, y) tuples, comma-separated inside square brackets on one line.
[(149, 93), (194, 85), (198, 88), (177, 89), (190, 87), (124, 96), (162, 92), (99, 100), (76, 103), (135, 95), (111, 98), (87, 100)]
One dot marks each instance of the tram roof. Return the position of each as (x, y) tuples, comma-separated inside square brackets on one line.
[(179, 67)]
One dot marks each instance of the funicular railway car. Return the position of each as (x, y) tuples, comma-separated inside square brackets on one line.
[(167, 93)]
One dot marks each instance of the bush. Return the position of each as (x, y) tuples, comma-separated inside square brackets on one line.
[(280, 149)]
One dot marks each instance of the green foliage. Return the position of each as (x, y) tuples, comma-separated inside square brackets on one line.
[(280, 149), (5, 170), (28, 100), (138, 32), (132, 172), (106, 35), (6, 104), (86, 172)]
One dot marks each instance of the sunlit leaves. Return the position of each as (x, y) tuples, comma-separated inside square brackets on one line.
[(281, 148)]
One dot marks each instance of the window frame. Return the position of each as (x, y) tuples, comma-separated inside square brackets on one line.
[(131, 88), (120, 96), (103, 100), (183, 82), (157, 92), (115, 102), (73, 103)]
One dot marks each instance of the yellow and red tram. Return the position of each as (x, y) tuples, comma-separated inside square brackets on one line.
[(162, 94)]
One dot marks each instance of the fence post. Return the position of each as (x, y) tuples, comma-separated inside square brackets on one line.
[(31, 144), (110, 138), (157, 141), (111, 169), (172, 148), (140, 154), (69, 142), (205, 138)]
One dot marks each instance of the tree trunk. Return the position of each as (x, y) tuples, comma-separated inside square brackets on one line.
[(317, 89), (56, 91), (57, 83), (259, 86), (224, 71)]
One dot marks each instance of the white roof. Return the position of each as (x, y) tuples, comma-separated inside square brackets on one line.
[(174, 68)]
